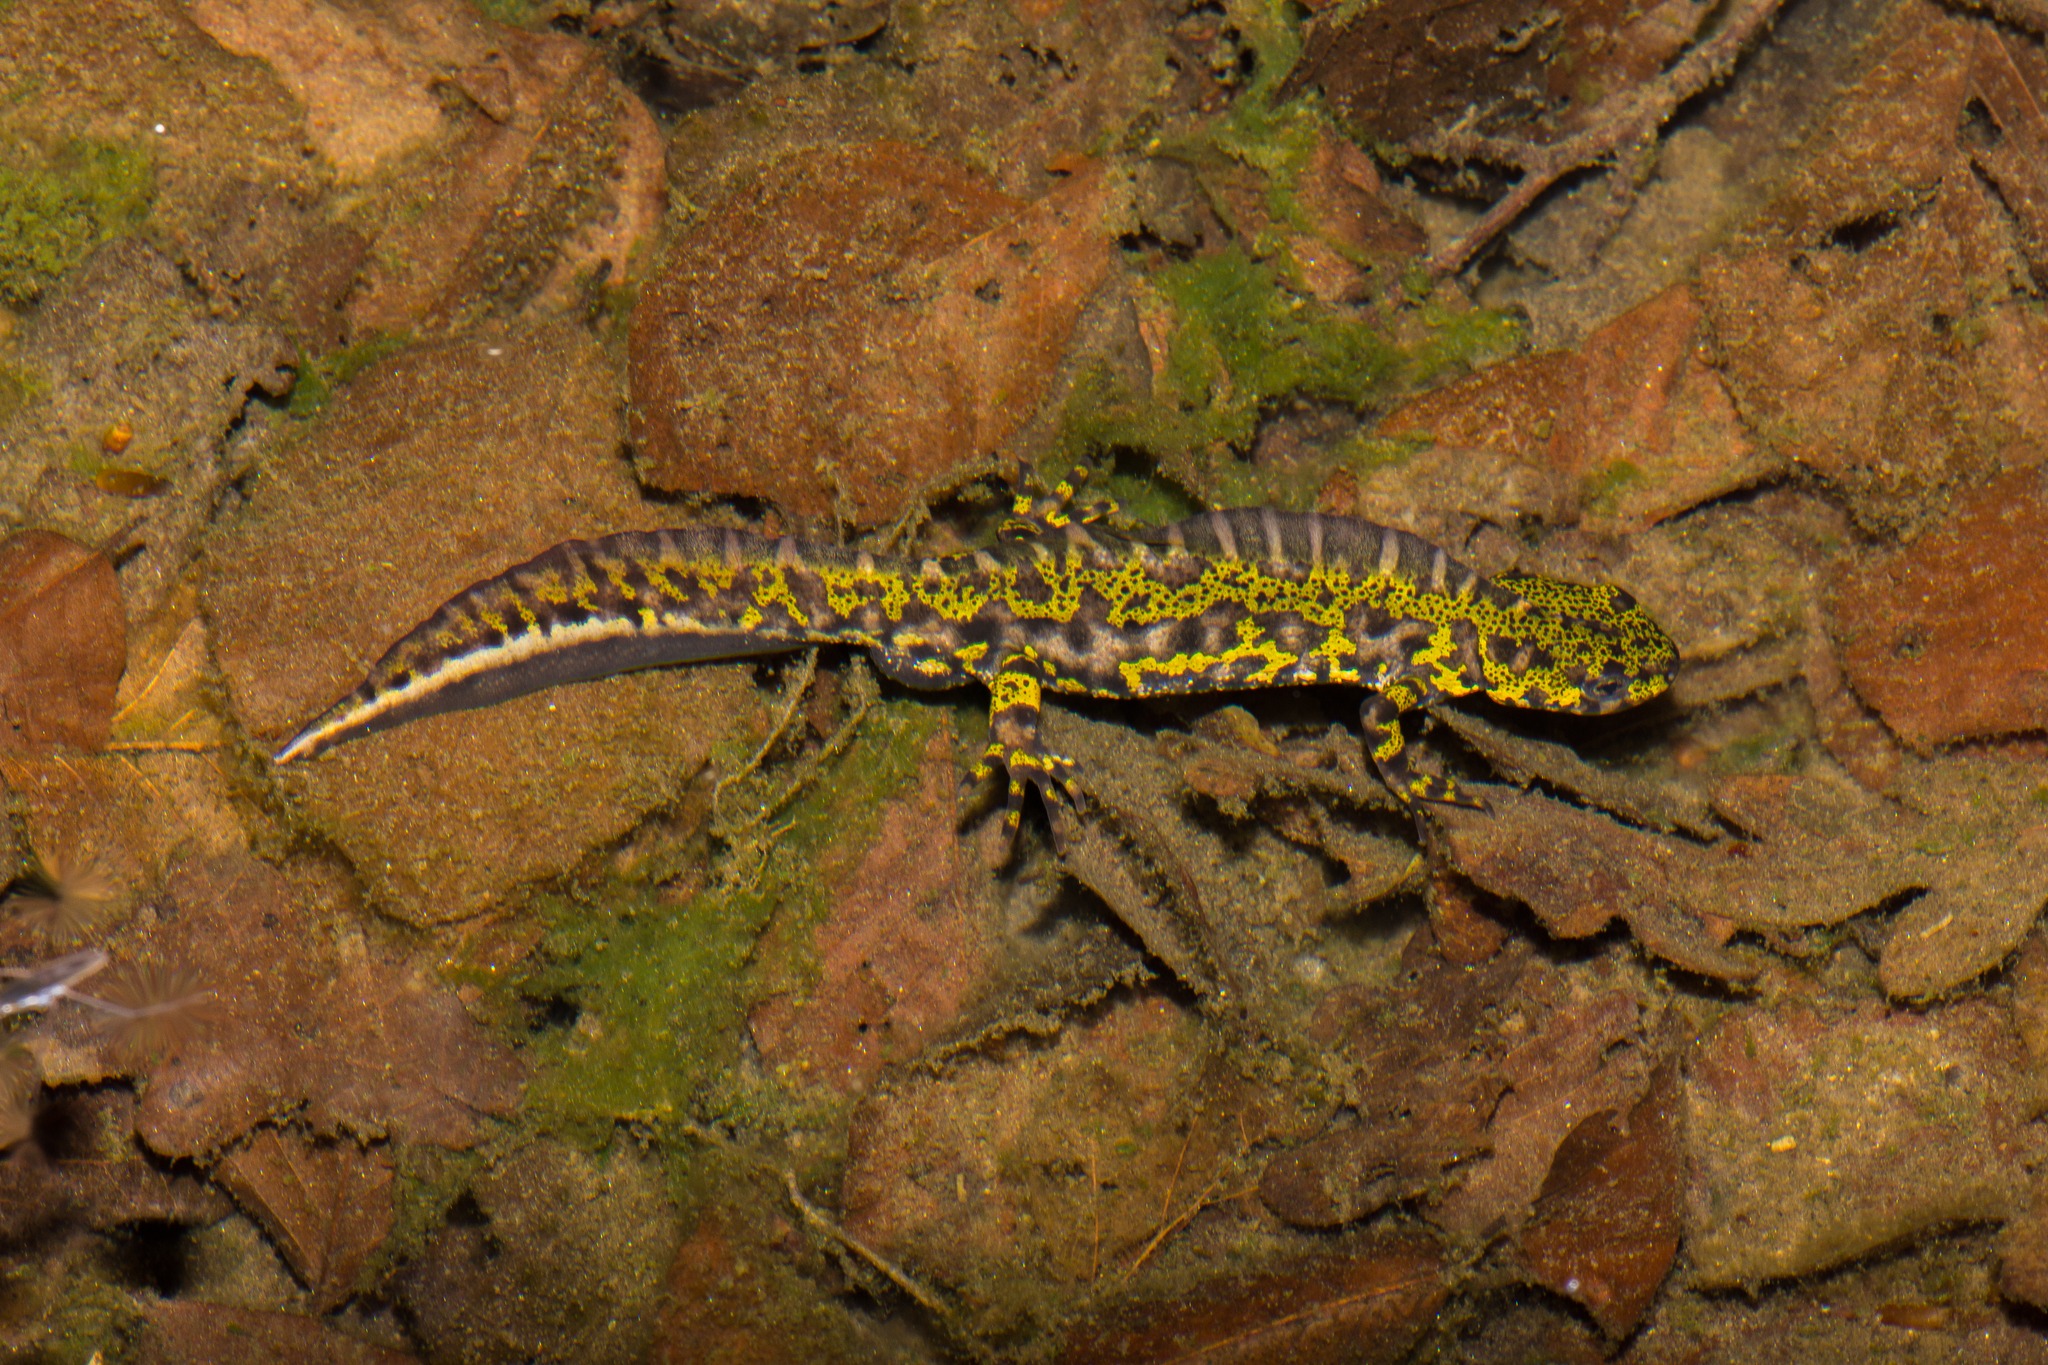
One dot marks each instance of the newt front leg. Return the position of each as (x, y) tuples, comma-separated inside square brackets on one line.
[(1015, 695), (1379, 717)]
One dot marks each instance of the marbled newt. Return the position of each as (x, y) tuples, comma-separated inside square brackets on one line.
[(1223, 601)]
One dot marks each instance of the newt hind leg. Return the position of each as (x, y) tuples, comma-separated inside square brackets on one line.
[(1380, 719), (1014, 748), (1046, 511)]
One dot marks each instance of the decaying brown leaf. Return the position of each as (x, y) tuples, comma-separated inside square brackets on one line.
[(308, 1016), (495, 162), (1579, 871), (103, 828), (1222, 852), (63, 643), (1812, 849), (2023, 1254), (886, 316), (726, 1301), (1416, 1060), (326, 1205), (1836, 332), (1922, 628), (1636, 424), (124, 336), (1973, 844), (1507, 85), (568, 1249), (1569, 1057), (1502, 66), (1606, 1225), (1658, 802), (2009, 143), (96, 1178), (1366, 1300), (228, 121), (1462, 1083), (904, 950), (1059, 1164)]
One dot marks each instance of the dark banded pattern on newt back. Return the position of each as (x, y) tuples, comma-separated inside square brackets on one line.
[(1250, 598)]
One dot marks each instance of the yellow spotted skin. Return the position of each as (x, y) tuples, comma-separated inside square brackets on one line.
[(1252, 598)]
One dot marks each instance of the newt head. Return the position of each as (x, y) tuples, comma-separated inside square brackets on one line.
[(1589, 649)]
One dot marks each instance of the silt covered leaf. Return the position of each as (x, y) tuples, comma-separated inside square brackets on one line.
[(327, 1205), (308, 1015), (63, 643), (888, 316)]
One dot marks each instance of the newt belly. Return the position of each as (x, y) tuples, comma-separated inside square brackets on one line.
[(1223, 601)]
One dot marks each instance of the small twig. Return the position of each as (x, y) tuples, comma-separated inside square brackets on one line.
[(1094, 1206), (163, 746), (748, 848), (823, 1223), (1168, 1225), (865, 695), (807, 669), (1173, 1183), (1201, 1201), (1637, 117), (135, 767), (1206, 1199)]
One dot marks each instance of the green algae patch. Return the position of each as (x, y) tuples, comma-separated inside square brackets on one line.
[(1606, 490), (656, 1005), (1238, 341), (1313, 300), (1244, 340), (1144, 500), (57, 206), (511, 13), (653, 996), (320, 376)]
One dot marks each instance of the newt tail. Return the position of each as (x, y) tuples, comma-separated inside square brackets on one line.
[(1232, 600), (588, 609)]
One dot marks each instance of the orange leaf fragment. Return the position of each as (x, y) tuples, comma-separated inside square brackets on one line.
[(129, 483), (63, 643), (326, 1205), (1922, 628)]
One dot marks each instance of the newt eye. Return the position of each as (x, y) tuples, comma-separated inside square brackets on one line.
[(1609, 689)]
